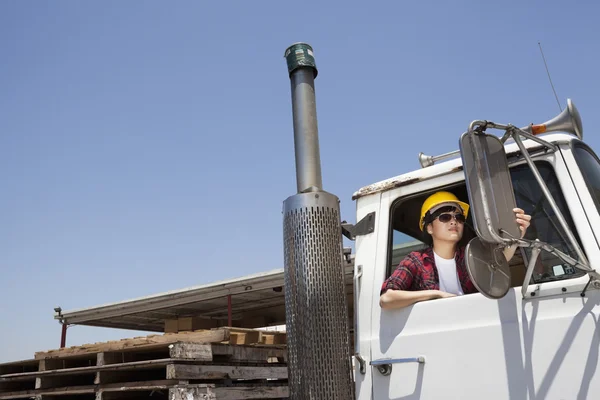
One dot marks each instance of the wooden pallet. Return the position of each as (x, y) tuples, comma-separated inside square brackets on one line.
[(158, 390), (225, 335), (18, 367), (155, 390), (202, 392), (142, 368)]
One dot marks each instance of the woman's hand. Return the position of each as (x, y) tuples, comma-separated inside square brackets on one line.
[(523, 220)]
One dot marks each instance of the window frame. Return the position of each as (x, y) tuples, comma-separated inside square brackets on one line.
[(578, 144), (552, 160), (394, 204)]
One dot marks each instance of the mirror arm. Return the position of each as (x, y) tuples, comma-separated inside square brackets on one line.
[(570, 260), (481, 125), (549, 198), (535, 252), (514, 131), (537, 246)]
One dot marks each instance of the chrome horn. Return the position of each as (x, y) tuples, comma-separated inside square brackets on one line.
[(568, 121), (428, 161)]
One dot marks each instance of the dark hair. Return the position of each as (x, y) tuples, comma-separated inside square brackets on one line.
[(427, 238)]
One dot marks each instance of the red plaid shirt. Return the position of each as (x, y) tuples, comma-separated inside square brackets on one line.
[(417, 271)]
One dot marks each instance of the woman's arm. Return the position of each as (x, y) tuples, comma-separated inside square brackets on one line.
[(402, 298)]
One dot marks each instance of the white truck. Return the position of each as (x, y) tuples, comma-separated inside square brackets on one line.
[(531, 332)]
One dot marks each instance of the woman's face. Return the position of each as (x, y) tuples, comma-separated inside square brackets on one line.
[(450, 231)]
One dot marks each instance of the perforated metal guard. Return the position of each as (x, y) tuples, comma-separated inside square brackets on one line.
[(315, 299)]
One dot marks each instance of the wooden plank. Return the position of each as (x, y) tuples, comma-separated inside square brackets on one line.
[(105, 358), (136, 365), (147, 390), (190, 372), (208, 392), (241, 336), (41, 392), (86, 396), (81, 390), (80, 396), (102, 360), (161, 394), (231, 353), (139, 395), (191, 351), (248, 354), (209, 336), (273, 338)]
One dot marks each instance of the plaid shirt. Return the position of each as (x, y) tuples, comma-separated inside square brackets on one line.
[(417, 271)]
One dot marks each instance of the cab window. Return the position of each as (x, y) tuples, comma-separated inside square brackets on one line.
[(405, 235), (590, 169), (544, 222)]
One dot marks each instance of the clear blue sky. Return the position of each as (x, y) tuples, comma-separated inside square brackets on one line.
[(148, 146)]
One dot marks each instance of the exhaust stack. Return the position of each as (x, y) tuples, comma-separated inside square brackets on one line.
[(319, 363)]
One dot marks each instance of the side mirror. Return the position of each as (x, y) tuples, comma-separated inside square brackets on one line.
[(489, 186), (487, 268), (492, 200)]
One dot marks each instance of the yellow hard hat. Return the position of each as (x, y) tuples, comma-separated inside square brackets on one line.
[(438, 200)]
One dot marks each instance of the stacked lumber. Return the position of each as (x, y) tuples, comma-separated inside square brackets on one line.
[(223, 363)]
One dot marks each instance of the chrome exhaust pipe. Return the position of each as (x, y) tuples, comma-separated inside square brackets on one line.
[(319, 361)]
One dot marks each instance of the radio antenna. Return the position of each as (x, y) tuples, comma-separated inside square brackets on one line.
[(550, 79)]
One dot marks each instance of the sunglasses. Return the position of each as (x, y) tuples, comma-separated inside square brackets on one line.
[(447, 217)]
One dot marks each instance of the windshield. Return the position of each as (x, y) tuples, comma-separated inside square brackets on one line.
[(544, 222), (590, 169)]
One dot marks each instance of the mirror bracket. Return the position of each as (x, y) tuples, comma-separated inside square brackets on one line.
[(491, 195), (365, 226)]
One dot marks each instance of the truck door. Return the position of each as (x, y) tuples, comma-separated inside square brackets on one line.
[(543, 346)]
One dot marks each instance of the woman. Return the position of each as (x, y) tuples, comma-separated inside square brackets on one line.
[(439, 271)]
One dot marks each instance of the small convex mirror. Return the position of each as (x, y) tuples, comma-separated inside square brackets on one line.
[(487, 268)]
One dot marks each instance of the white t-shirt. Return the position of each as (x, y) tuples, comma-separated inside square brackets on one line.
[(448, 277)]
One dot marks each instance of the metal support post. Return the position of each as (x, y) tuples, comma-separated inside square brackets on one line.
[(63, 335), (229, 319)]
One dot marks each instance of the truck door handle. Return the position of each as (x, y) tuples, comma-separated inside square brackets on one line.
[(384, 365), (361, 361)]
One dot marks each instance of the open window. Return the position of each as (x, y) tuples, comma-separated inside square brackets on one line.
[(405, 235)]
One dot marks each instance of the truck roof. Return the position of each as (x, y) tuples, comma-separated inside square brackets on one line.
[(450, 166)]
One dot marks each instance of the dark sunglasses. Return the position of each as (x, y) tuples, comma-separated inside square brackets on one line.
[(447, 217)]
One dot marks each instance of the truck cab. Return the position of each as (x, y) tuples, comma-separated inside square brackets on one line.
[(541, 341)]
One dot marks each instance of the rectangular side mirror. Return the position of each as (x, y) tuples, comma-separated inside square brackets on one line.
[(489, 186)]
